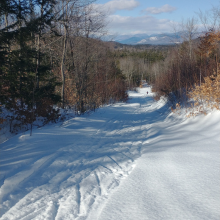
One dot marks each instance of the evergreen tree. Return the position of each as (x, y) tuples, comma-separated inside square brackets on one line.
[(26, 79)]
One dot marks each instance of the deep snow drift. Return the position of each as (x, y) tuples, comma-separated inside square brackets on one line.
[(127, 161)]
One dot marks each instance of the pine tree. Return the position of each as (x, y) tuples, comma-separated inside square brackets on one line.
[(26, 79)]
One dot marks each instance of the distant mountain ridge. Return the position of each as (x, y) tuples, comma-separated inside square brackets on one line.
[(153, 39)]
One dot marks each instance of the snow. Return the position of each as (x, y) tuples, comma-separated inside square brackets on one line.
[(142, 41), (126, 161), (153, 38)]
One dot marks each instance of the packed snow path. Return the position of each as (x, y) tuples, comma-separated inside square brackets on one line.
[(124, 162)]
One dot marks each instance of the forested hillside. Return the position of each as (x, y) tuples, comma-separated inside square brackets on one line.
[(50, 54), (52, 57), (181, 71)]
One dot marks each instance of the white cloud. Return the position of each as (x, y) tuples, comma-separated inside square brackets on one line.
[(141, 24), (164, 9), (115, 5), (118, 24)]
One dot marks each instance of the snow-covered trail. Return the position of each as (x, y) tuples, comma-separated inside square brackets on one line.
[(177, 177), (61, 172), (125, 161)]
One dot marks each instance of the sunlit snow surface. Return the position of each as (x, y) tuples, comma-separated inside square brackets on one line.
[(128, 161)]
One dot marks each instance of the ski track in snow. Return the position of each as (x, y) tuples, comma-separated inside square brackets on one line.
[(60, 172), (72, 171)]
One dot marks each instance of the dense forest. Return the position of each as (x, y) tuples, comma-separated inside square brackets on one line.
[(137, 63), (52, 57)]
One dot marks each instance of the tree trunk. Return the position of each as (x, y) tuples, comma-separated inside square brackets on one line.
[(62, 66)]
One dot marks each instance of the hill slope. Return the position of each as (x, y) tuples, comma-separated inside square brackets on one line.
[(130, 160)]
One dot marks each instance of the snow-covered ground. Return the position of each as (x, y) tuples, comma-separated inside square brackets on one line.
[(128, 161)]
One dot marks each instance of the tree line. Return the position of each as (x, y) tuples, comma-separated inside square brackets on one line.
[(136, 64), (188, 65), (176, 70)]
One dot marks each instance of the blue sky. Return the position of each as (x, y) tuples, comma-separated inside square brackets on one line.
[(151, 16)]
